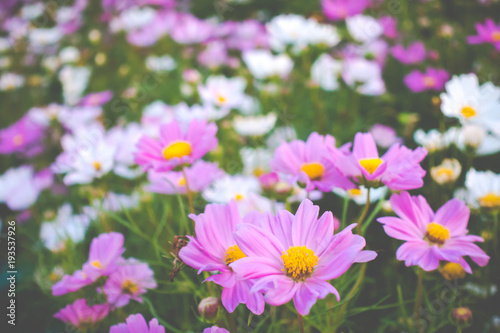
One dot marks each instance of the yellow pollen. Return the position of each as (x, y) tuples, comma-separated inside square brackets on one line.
[(96, 264), (299, 262), (258, 172), (429, 81), (96, 165), (452, 271), (468, 111), (53, 277), (313, 170), (445, 172), (221, 99), (130, 287), (462, 311), (239, 197), (182, 181), (233, 253), (370, 164), (177, 149), (18, 139), (495, 36), (436, 233), (355, 192), (490, 200)]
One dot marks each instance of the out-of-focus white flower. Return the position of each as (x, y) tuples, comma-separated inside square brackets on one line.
[(364, 75), (359, 194), (163, 63), (51, 63), (32, 11), (18, 188), (432, 140), (263, 64), (325, 72), (483, 189), (4, 44), (447, 172), (254, 125), (223, 92), (44, 36), (185, 114), (280, 135), (133, 18), (471, 103), (321, 34), (125, 140), (11, 81), (44, 115), (364, 28), (87, 154), (473, 137), (116, 202), (73, 118), (69, 54), (255, 161), (74, 81), (66, 226), (154, 115)]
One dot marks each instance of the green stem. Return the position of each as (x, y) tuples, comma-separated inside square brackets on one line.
[(301, 323), (344, 211), (352, 293), (188, 192), (363, 214), (231, 322), (418, 300)]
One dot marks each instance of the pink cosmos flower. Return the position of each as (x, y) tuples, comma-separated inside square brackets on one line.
[(103, 255), (215, 329), (390, 25), (198, 177), (96, 99), (487, 33), (189, 29), (129, 281), (413, 54), (311, 162), (23, 136), (384, 136), (341, 9), (214, 249), (430, 237), (398, 168), (137, 324), (432, 79), (80, 313), (293, 257), (175, 146)]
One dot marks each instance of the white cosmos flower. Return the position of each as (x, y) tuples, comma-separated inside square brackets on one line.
[(471, 103), (74, 81), (66, 226), (116, 202), (432, 140), (483, 189), (255, 160), (263, 64), (32, 11), (321, 34), (286, 30), (18, 188), (163, 63), (254, 125), (364, 28), (69, 54), (185, 114), (154, 115), (447, 172), (73, 118), (325, 72), (473, 137), (125, 140), (359, 194), (364, 75), (280, 135), (44, 36), (11, 81), (223, 92)]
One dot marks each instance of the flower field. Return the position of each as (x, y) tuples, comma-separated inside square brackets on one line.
[(249, 166)]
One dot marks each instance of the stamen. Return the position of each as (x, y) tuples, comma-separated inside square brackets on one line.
[(299, 262), (468, 111), (313, 170), (436, 233), (177, 149), (490, 200), (370, 164), (232, 254)]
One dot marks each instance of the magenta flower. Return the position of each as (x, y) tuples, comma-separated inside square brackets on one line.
[(341, 9), (129, 281), (175, 146), (79, 313), (487, 33), (414, 54), (384, 136), (293, 257), (311, 162), (398, 168), (215, 329), (214, 249), (137, 324), (390, 25), (104, 252), (432, 79), (23, 136), (198, 177), (96, 99), (430, 237)]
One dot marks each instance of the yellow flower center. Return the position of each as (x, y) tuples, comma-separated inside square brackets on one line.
[(429, 81), (370, 164), (182, 181), (177, 149), (53, 277), (239, 196), (462, 311), (299, 262), (97, 165), (313, 170), (18, 139), (232, 254), (436, 233), (442, 172), (452, 271), (221, 99), (258, 172), (130, 287), (490, 200), (96, 264), (354, 192), (468, 111), (495, 36)]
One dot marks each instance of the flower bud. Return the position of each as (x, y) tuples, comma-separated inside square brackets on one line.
[(452, 271), (208, 307), (462, 315)]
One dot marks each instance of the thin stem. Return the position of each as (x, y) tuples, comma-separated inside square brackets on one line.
[(352, 293), (188, 192), (363, 214), (301, 323), (418, 300), (344, 211), (231, 322)]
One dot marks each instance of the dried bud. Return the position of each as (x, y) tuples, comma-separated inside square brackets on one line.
[(209, 307)]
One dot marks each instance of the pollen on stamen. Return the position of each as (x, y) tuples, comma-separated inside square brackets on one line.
[(436, 233), (299, 262), (468, 111), (177, 149), (233, 253), (370, 164)]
